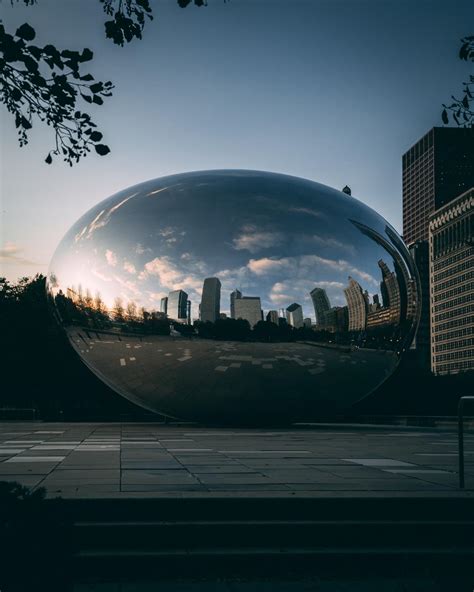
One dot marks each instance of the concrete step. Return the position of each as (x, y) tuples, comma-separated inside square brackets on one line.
[(261, 535), (273, 534)]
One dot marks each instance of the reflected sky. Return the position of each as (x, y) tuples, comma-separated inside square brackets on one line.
[(268, 235)]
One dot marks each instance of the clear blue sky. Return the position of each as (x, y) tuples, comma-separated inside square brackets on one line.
[(334, 91)]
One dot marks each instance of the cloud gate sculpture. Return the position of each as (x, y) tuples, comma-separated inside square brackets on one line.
[(236, 296)]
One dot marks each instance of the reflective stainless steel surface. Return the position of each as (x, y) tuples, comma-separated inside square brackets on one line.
[(236, 296)]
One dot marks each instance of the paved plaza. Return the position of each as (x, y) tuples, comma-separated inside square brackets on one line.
[(75, 460)]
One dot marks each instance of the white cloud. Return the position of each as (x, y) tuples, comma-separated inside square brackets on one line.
[(253, 240), (111, 257), (164, 269), (101, 276), (12, 253), (307, 211), (129, 267), (266, 265), (129, 285), (305, 265), (333, 244), (157, 296)]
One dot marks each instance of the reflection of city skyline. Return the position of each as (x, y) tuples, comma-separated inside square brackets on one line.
[(361, 314)]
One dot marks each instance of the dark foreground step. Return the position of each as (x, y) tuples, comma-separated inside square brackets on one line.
[(148, 537), (200, 536)]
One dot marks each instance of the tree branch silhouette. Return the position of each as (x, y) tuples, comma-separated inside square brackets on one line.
[(461, 110), (47, 83)]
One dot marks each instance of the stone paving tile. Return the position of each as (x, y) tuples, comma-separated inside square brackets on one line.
[(150, 464), (162, 487), (170, 477)]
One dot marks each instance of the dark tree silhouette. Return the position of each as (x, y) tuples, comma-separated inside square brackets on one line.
[(48, 83), (461, 110)]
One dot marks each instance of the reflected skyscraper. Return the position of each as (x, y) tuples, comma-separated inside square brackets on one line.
[(294, 315), (390, 291), (321, 304), (236, 294), (211, 300), (164, 305), (272, 316), (188, 312), (357, 306), (248, 308), (177, 305)]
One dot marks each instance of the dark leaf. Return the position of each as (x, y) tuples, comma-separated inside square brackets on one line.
[(96, 136), (102, 149), (48, 159), (25, 32), (97, 87), (444, 117), (86, 55), (25, 123)]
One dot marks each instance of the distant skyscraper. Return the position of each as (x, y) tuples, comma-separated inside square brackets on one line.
[(357, 306), (321, 304), (437, 169), (248, 308), (177, 305), (235, 295), (451, 286), (164, 305), (211, 300), (294, 315), (307, 323), (272, 316)]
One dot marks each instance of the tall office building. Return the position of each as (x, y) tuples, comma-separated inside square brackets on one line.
[(294, 315), (452, 285), (437, 169), (177, 305), (235, 295), (164, 305), (357, 306), (321, 305), (248, 308), (210, 300)]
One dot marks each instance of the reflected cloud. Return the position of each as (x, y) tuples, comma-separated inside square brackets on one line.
[(111, 257), (101, 276), (253, 239), (129, 267)]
